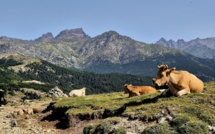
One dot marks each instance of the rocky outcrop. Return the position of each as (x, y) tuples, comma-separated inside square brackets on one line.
[(72, 34), (45, 37), (56, 92)]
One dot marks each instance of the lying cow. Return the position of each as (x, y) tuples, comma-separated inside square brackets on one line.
[(179, 82), (138, 90), (78, 92)]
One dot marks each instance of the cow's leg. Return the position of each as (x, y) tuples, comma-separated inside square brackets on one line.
[(130, 95), (137, 93), (133, 94), (83, 94), (182, 92), (165, 92)]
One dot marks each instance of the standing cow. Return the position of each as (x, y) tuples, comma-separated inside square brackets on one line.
[(179, 82)]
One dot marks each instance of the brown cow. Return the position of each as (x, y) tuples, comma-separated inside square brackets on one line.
[(179, 82), (138, 90)]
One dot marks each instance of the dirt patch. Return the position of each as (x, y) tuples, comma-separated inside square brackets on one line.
[(13, 123)]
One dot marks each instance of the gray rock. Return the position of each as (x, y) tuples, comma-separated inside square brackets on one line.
[(56, 92), (13, 123)]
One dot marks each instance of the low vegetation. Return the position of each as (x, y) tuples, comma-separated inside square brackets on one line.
[(191, 113), (105, 101)]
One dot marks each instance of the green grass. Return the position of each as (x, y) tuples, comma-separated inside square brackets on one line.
[(106, 101), (195, 110)]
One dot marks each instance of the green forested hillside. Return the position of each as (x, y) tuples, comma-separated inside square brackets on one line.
[(202, 68), (68, 79), (65, 79)]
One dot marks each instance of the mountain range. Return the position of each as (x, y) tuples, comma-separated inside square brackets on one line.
[(108, 52), (203, 48)]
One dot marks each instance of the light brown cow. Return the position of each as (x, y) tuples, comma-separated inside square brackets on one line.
[(179, 82), (138, 90)]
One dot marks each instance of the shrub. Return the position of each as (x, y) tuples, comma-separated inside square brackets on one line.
[(208, 117), (119, 131), (180, 120), (158, 129), (193, 110), (90, 129), (193, 127), (106, 126), (30, 96)]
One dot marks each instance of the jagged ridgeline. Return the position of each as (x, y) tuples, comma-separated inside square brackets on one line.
[(111, 52), (17, 68)]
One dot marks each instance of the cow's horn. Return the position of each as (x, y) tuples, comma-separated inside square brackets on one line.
[(158, 65)]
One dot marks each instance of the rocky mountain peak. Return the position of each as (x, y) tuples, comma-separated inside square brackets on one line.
[(203, 48), (110, 33), (162, 41), (112, 36), (45, 37), (170, 43), (180, 41), (71, 34)]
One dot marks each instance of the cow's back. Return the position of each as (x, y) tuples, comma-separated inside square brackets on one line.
[(147, 89), (182, 79), (75, 93)]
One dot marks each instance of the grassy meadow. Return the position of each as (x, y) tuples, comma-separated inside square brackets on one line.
[(189, 113)]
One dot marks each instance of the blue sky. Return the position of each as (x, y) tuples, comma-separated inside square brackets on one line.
[(142, 20)]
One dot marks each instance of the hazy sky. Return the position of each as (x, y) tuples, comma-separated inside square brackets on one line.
[(142, 20)]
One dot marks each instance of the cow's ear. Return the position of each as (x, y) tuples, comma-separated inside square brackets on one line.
[(125, 85), (170, 70), (173, 69), (153, 80), (163, 67)]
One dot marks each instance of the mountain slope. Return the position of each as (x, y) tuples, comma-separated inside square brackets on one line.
[(111, 52), (17, 68), (203, 48), (106, 53)]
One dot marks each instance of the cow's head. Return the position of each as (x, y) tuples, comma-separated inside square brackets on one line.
[(163, 76), (165, 86), (126, 90)]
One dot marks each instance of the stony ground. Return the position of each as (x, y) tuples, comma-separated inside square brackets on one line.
[(12, 123)]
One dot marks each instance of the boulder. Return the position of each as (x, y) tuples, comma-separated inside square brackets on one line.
[(56, 92), (20, 112), (28, 111)]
